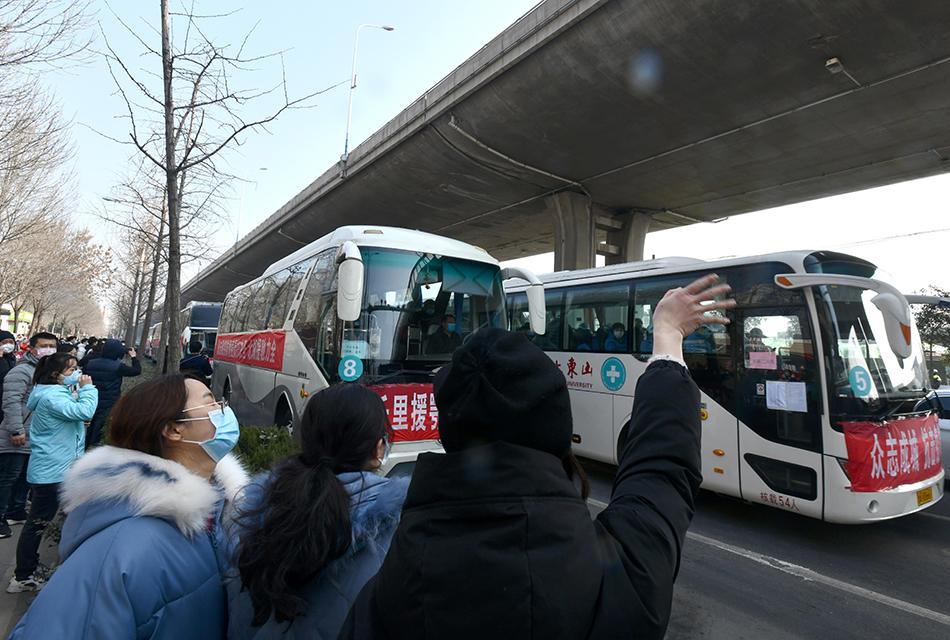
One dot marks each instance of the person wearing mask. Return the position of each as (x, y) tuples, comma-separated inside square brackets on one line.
[(68, 347), (143, 546), (445, 339), (616, 341), (196, 364), (495, 537), (93, 350), (57, 435), (14, 431), (316, 529), (107, 372)]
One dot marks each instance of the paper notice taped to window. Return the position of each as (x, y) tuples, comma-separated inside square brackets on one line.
[(786, 396), (762, 360)]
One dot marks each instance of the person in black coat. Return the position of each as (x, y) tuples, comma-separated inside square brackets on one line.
[(496, 539), (196, 364), (107, 371)]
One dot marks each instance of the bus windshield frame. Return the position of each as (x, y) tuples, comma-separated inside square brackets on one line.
[(866, 379), (409, 302)]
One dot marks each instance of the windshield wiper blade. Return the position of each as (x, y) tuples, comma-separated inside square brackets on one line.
[(400, 372)]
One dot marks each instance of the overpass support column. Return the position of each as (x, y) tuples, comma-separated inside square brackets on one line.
[(629, 238), (575, 233)]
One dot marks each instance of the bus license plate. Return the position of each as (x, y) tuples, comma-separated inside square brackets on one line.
[(925, 495)]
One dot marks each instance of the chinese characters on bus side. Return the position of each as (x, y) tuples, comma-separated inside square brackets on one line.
[(262, 349), (777, 500), (892, 454), (411, 409)]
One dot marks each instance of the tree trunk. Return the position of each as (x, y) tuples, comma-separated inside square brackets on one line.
[(153, 281), (173, 286), (133, 304)]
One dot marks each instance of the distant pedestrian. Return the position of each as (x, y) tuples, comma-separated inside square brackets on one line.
[(107, 372), (196, 364), (316, 529), (496, 540), (143, 543), (93, 350), (14, 431), (57, 435)]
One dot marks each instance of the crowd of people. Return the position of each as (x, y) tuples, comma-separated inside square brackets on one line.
[(167, 537)]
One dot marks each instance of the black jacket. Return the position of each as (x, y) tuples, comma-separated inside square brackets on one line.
[(7, 362), (197, 362), (496, 542), (107, 371)]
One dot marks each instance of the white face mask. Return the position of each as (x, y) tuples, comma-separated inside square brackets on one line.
[(8, 348), (42, 352)]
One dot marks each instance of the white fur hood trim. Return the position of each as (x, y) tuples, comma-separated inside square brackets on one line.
[(152, 486)]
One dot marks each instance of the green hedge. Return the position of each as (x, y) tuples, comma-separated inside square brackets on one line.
[(259, 448)]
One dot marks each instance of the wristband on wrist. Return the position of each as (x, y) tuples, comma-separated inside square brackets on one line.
[(666, 356)]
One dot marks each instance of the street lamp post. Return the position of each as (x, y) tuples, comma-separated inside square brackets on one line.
[(349, 102)]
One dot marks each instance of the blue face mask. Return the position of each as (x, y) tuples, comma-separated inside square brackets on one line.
[(72, 378), (226, 433), (451, 327)]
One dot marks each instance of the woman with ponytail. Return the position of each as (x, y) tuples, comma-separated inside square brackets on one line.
[(314, 531)]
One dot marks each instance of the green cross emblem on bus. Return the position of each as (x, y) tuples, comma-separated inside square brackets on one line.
[(613, 374)]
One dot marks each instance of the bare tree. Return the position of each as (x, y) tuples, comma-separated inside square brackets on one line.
[(42, 33), (184, 125)]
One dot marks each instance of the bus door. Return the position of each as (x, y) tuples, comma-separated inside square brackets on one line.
[(778, 405)]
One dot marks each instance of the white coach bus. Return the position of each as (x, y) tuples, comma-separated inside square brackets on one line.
[(813, 398), (381, 306)]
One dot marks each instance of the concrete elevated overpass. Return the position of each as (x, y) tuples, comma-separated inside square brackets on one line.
[(588, 123)]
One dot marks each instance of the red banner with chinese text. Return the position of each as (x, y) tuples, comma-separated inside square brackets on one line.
[(260, 349), (411, 410), (894, 453)]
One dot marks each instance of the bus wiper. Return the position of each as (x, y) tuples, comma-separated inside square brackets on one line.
[(400, 372)]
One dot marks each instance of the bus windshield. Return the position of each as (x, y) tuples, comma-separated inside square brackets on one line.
[(420, 307), (866, 375)]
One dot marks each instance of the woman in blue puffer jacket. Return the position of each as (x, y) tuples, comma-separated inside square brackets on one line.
[(317, 529), (143, 547), (57, 436)]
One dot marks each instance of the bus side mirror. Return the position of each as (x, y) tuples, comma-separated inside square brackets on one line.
[(537, 314), (897, 321), (349, 292)]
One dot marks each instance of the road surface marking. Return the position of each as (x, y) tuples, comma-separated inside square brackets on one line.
[(936, 515), (813, 576)]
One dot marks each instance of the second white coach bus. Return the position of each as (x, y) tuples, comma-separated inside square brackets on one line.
[(813, 398), (381, 306)]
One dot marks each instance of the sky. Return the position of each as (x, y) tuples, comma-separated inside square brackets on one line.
[(903, 228)]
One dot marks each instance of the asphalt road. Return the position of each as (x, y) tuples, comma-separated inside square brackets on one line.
[(749, 571)]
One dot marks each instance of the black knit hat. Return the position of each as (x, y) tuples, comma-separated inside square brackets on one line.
[(500, 386), (6, 335)]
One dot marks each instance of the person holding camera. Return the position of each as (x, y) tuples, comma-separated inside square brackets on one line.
[(107, 372)]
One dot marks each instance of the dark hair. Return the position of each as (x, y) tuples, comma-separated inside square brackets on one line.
[(65, 347), (49, 367), (195, 346), (42, 335), (303, 521), (574, 471), (140, 416)]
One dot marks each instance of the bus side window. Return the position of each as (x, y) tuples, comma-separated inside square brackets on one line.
[(310, 312), (597, 318), (552, 340)]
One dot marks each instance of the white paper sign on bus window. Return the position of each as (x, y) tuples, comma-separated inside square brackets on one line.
[(358, 348), (786, 396)]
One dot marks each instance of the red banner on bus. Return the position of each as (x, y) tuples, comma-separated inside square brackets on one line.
[(897, 452), (411, 409), (261, 349)]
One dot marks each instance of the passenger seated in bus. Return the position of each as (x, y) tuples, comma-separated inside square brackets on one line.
[(582, 338), (502, 520), (616, 341), (445, 339), (754, 341), (700, 341)]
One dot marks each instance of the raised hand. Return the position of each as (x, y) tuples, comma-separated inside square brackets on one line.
[(682, 311)]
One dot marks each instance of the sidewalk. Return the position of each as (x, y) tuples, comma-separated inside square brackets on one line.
[(14, 605)]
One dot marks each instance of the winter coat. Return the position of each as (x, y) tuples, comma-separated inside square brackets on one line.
[(17, 386), (107, 372), (7, 362), (496, 542), (143, 551), (57, 432), (197, 362), (376, 503)]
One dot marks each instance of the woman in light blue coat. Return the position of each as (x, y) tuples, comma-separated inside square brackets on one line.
[(57, 436), (317, 529), (143, 548)]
